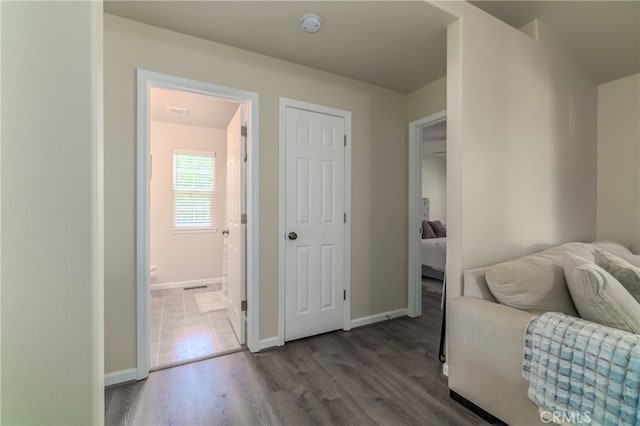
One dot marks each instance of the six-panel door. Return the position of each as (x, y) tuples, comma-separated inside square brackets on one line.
[(315, 230)]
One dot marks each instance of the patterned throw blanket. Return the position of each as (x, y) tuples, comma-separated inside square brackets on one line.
[(580, 372)]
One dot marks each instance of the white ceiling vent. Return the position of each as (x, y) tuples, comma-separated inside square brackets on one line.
[(310, 23), (177, 110)]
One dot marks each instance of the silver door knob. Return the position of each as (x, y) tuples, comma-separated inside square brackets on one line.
[(225, 232), (293, 236)]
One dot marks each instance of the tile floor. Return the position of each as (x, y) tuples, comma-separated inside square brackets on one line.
[(180, 332)]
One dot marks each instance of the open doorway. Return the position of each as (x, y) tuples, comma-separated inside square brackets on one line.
[(195, 147), (197, 221), (433, 206), (427, 209)]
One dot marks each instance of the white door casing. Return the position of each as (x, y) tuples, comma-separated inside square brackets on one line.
[(314, 223), (145, 81), (235, 238)]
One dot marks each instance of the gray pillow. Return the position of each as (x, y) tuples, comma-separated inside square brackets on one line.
[(623, 271), (599, 297), (427, 231), (438, 228), (619, 250)]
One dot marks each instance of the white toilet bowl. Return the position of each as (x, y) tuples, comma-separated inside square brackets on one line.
[(153, 273)]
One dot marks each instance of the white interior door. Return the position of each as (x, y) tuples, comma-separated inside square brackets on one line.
[(236, 236), (315, 229)]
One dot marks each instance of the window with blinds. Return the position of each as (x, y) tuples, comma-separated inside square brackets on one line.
[(194, 189)]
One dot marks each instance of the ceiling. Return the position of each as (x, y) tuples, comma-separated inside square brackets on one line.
[(201, 110), (603, 35), (400, 45)]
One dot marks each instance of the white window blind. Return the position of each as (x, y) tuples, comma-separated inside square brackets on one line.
[(194, 189)]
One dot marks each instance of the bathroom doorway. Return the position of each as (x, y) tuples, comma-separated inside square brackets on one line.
[(192, 267), (190, 137)]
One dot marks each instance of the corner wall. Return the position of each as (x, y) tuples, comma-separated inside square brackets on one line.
[(619, 160), (51, 325), (521, 136)]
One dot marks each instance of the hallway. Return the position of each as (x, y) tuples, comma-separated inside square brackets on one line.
[(386, 374)]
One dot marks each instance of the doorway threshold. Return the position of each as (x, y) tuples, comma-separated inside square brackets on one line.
[(197, 359)]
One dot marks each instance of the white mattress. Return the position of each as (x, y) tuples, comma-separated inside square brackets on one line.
[(434, 253)]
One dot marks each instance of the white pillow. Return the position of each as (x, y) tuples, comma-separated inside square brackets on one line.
[(599, 297), (533, 283)]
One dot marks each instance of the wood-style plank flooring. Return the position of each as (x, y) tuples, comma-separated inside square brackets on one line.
[(383, 374)]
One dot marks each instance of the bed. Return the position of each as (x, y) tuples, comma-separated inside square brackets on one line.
[(434, 250)]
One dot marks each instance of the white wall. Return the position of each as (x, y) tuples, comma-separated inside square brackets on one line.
[(427, 100), (521, 143), (52, 305), (184, 256), (434, 185), (1, 36), (619, 160)]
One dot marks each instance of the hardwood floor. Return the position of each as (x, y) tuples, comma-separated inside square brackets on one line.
[(385, 374)]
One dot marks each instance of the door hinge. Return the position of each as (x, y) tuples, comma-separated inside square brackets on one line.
[(344, 294), (243, 306), (243, 132), (345, 218), (345, 140), (243, 218)]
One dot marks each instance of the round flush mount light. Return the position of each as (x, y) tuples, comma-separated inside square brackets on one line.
[(310, 23)]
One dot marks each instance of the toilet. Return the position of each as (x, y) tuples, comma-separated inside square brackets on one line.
[(153, 273)]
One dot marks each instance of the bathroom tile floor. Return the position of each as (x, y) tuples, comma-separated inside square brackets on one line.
[(180, 332)]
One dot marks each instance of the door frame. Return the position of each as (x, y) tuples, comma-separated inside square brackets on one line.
[(146, 80), (346, 115), (414, 273)]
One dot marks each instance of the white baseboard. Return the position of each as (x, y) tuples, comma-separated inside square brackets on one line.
[(270, 342), (372, 319), (121, 376), (184, 284), (445, 369)]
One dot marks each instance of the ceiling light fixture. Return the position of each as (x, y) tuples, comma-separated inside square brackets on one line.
[(177, 110), (310, 23)]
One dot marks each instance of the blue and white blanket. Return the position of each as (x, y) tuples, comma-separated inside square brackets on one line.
[(580, 372)]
